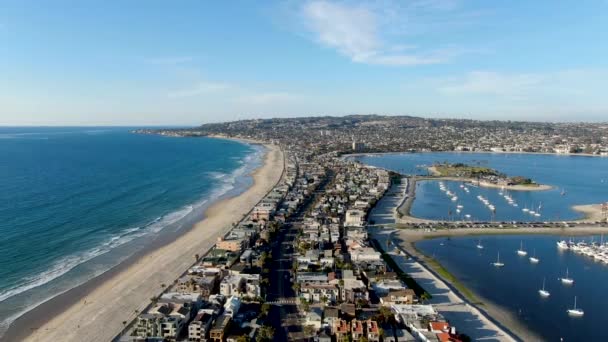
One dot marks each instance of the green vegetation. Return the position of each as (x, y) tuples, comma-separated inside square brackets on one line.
[(466, 171), (406, 278)]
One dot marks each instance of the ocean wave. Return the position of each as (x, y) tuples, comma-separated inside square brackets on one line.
[(65, 264), (227, 182)]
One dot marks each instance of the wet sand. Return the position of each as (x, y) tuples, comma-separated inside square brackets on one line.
[(96, 310)]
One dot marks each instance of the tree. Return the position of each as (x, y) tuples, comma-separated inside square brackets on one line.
[(242, 338), (264, 309), (265, 333), (309, 330)]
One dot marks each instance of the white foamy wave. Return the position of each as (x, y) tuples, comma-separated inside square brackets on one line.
[(64, 265), (216, 175)]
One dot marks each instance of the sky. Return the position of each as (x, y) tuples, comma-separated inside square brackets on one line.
[(185, 62)]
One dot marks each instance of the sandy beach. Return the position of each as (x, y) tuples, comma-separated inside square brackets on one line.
[(96, 311), (533, 187), (593, 212)]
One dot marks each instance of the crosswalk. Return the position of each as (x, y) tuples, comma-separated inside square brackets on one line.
[(283, 302)]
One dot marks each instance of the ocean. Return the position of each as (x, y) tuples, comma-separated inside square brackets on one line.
[(575, 180), (515, 286), (78, 201)]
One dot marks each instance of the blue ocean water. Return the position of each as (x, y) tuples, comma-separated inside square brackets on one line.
[(515, 286), (583, 180), (77, 201)]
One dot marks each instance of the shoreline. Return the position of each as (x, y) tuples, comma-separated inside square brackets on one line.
[(96, 309), (495, 313), (436, 175), (450, 301), (478, 152)]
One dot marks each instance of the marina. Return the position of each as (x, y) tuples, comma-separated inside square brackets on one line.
[(538, 296), (574, 180)]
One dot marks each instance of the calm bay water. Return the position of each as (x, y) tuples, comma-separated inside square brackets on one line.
[(515, 286), (77, 201), (583, 180)]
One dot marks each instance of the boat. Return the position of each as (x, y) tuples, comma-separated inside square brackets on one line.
[(567, 280), (543, 292), (525, 210), (459, 206), (562, 244), (479, 245), (467, 216), (521, 250), (574, 311), (498, 263), (458, 211), (563, 193), (533, 258)]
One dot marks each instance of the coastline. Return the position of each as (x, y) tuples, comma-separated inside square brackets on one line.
[(457, 308), (436, 175), (592, 212), (480, 152), (95, 310)]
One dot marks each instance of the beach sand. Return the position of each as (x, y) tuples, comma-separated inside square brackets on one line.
[(100, 310), (593, 212)]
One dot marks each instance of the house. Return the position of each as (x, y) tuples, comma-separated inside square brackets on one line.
[(314, 318), (341, 329), (198, 329), (232, 306), (404, 296), (356, 330), (233, 245), (220, 328), (164, 320), (354, 218), (372, 331), (317, 293)]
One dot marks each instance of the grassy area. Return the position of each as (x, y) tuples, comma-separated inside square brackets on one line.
[(463, 170), (449, 277), (406, 278)]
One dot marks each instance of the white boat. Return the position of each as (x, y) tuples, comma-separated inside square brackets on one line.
[(543, 292), (533, 258), (455, 198), (574, 311), (567, 280), (458, 211), (521, 250), (562, 245), (459, 206), (525, 210), (479, 245), (498, 263), (531, 212), (537, 214), (467, 216)]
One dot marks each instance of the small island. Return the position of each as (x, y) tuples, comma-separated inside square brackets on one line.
[(484, 176)]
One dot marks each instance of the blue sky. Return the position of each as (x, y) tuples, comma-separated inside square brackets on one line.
[(191, 62)]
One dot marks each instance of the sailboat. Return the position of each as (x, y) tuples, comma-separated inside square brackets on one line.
[(498, 263), (479, 245), (567, 280), (574, 311), (521, 250), (543, 292), (533, 258)]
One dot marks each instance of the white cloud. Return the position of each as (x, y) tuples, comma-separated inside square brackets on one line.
[(268, 98), (488, 82), (199, 89), (357, 31)]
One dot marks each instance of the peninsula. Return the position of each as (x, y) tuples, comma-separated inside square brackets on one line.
[(484, 176)]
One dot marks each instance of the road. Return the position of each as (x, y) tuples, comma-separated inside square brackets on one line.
[(283, 315)]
